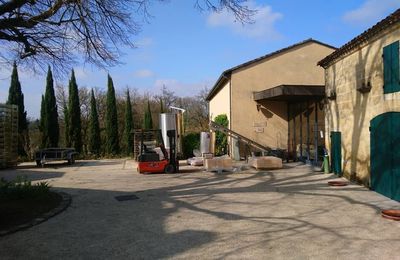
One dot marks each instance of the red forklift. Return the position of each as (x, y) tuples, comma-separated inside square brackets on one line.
[(154, 157)]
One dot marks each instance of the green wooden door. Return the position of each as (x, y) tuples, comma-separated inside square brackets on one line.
[(385, 155), (336, 152), (395, 151)]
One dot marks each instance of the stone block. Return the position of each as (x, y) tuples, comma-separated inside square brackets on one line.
[(218, 164), (265, 162)]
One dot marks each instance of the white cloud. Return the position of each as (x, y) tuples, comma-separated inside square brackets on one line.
[(262, 27), (143, 73), (371, 11)]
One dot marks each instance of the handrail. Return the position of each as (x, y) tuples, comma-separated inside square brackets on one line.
[(217, 127)]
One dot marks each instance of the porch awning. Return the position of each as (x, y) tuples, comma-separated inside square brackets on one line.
[(291, 93)]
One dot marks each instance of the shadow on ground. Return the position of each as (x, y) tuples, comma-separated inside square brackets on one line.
[(211, 211)]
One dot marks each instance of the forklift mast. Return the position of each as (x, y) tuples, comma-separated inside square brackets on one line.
[(172, 151)]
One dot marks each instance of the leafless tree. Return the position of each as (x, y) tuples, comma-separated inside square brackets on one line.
[(61, 99), (196, 115), (84, 101), (57, 32), (199, 110), (167, 97)]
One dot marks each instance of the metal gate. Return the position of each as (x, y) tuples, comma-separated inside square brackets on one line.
[(385, 154)]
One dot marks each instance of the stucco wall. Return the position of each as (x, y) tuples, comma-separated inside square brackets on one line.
[(220, 103), (268, 125), (352, 111)]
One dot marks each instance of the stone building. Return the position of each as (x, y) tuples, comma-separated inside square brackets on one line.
[(363, 107), (275, 100)]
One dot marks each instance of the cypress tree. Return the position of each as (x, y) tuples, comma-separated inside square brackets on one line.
[(148, 121), (16, 97), (51, 127), (67, 140), (128, 124), (42, 124), (94, 128), (74, 115), (112, 144)]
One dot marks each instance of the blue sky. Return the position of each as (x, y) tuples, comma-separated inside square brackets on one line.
[(186, 50)]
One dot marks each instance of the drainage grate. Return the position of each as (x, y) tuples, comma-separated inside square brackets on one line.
[(126, 197)]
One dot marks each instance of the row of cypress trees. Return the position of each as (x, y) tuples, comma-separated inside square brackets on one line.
[(72, 119), (49, 120)]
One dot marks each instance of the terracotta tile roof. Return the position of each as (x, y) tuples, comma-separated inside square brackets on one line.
[(384, 24), (226, 74)]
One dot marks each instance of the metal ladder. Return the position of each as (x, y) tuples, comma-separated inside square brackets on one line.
[(217, 127)]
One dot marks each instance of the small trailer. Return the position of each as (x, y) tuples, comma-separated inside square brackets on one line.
[(55, 154)]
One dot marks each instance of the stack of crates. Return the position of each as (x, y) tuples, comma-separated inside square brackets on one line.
[(8, 135)]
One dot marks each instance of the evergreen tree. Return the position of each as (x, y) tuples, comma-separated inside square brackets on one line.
[(148, 121), (128, 125), (112, 144), (74, 115), (16, 97), (42, 126), (51, 127), (67, 140), (94, 128)]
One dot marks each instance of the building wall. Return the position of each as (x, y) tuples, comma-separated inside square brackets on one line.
[(267, 124), (352, 111), (220, 103)]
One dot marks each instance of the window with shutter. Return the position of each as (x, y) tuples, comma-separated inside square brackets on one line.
[(391, 69)]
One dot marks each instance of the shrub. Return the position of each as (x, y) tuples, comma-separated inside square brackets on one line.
[(22, 188), (190, 142), (221, 140)]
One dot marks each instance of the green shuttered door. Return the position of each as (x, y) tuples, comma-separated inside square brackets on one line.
[(385, 154), (336, 152)]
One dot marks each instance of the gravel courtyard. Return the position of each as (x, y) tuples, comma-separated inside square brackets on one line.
[(285, 214)]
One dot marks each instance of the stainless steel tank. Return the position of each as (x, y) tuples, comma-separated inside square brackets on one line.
[(205, 142), (212, 146), (167, 122)]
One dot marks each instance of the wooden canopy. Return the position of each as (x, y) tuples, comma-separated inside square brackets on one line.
[(291, 93)]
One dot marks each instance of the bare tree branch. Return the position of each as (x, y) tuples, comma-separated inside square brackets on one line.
[(57, 32)]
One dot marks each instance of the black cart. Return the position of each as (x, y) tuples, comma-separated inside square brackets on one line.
[(55, 154)]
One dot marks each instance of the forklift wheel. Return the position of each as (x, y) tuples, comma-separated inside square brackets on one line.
[(169, 168)]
